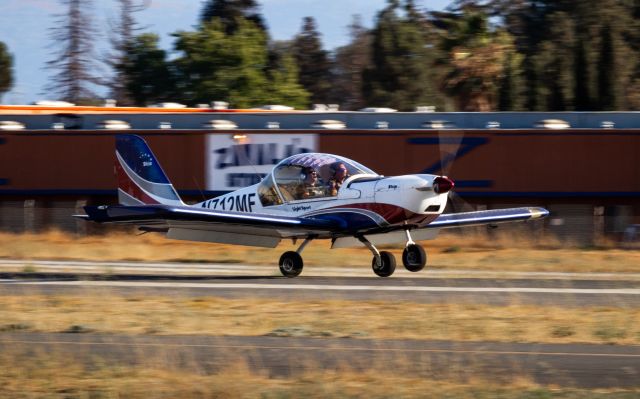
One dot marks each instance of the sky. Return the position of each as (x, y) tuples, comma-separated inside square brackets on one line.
[(25, 29)]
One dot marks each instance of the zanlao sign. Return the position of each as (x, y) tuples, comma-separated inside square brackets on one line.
[(233, 164)]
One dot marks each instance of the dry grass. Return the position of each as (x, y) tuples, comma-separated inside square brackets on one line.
[(55, 376), (94, 312), (504, 252)]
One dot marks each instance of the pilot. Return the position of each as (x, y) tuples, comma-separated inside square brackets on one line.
[(339, 173), (309, 185)]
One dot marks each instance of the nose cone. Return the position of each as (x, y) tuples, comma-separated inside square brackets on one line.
[(442, 185)]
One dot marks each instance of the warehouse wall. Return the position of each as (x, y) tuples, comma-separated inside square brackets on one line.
[(576, 173)]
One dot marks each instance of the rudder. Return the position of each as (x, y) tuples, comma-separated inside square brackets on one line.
[(141, 180)]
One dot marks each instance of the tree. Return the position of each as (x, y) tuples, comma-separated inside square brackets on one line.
[(615, 66), (214, 65), (510, 94), (229, 12), (563, 41), (350, 62), (284, 81), (218, 66), (123, 31), (73, 62), (147, 73), (402, 71), (476, 57), (6, 70), (583, 78), (556, 64), (313, 61)]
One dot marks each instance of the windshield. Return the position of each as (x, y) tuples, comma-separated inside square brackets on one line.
[(313, 175), (318, 161)]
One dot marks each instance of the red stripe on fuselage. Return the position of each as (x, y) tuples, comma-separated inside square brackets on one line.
[(128, 186)]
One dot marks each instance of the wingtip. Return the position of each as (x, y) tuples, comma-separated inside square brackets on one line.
[(538, 213)]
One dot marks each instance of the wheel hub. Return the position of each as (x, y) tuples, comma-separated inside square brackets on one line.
[(412, 257), (287, 265)]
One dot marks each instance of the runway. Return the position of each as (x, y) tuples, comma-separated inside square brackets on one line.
[(355, 284), (233, 269), (567, 365), (585, 366)]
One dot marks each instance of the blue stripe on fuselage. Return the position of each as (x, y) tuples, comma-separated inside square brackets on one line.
[(348, 220)]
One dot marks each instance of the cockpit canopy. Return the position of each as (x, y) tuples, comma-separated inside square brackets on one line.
[(308, 176)]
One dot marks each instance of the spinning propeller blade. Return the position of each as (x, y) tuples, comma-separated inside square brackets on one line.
[(449, 145)]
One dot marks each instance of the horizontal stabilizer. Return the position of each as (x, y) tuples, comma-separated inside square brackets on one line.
[(209, 225)]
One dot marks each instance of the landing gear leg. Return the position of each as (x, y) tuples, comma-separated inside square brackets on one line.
[(413, 257), (291, 263), (383, 263)]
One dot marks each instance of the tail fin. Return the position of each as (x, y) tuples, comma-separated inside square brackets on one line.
[(141, 180)]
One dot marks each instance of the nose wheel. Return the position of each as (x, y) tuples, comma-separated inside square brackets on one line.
[(414, 258)]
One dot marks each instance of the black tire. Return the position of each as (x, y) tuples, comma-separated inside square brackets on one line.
[(414, 258), (291, 264), (388, 264)]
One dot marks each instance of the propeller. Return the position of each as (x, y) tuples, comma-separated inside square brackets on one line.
[(449, 142)]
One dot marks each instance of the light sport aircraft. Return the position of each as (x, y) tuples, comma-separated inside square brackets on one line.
[(306, 196)]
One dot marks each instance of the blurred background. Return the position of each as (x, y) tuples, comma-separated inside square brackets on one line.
[(521, 103), (454, 56), (424, 85)]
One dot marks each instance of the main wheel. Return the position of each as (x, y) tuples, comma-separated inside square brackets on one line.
[(388, 265), (414, 258), (291, 264)]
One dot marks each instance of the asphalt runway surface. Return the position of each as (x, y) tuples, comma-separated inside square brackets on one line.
[(567, 365), (317, 283)]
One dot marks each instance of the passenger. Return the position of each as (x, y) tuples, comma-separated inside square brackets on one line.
[(309, 186), (339, 173)]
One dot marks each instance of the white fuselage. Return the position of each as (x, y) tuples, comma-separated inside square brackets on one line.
[(384, 200)]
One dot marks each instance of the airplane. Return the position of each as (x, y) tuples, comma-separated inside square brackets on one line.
[(308, 196)]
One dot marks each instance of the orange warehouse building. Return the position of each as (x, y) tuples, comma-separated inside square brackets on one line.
[(589, 179)]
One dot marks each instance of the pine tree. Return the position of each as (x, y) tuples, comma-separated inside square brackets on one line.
[(313, 62), (401, 72), (510, 96), (230, 12), (284, 80), (123, 31), (214, 65), (148, 75), (583, 100), (556, 67), (74, 60), (6, 70), (350, 62), (609, 89)]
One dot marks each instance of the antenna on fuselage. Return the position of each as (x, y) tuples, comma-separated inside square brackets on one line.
[(199, 188), (242, 144)]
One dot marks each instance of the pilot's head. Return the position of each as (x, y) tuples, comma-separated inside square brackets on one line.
[(309, 175), (339, 171)]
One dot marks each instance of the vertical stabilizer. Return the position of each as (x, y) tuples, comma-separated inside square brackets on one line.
[(141, 179)]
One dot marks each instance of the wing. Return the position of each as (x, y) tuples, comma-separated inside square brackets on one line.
[(201, 224), (494, 216), (430, 231)]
